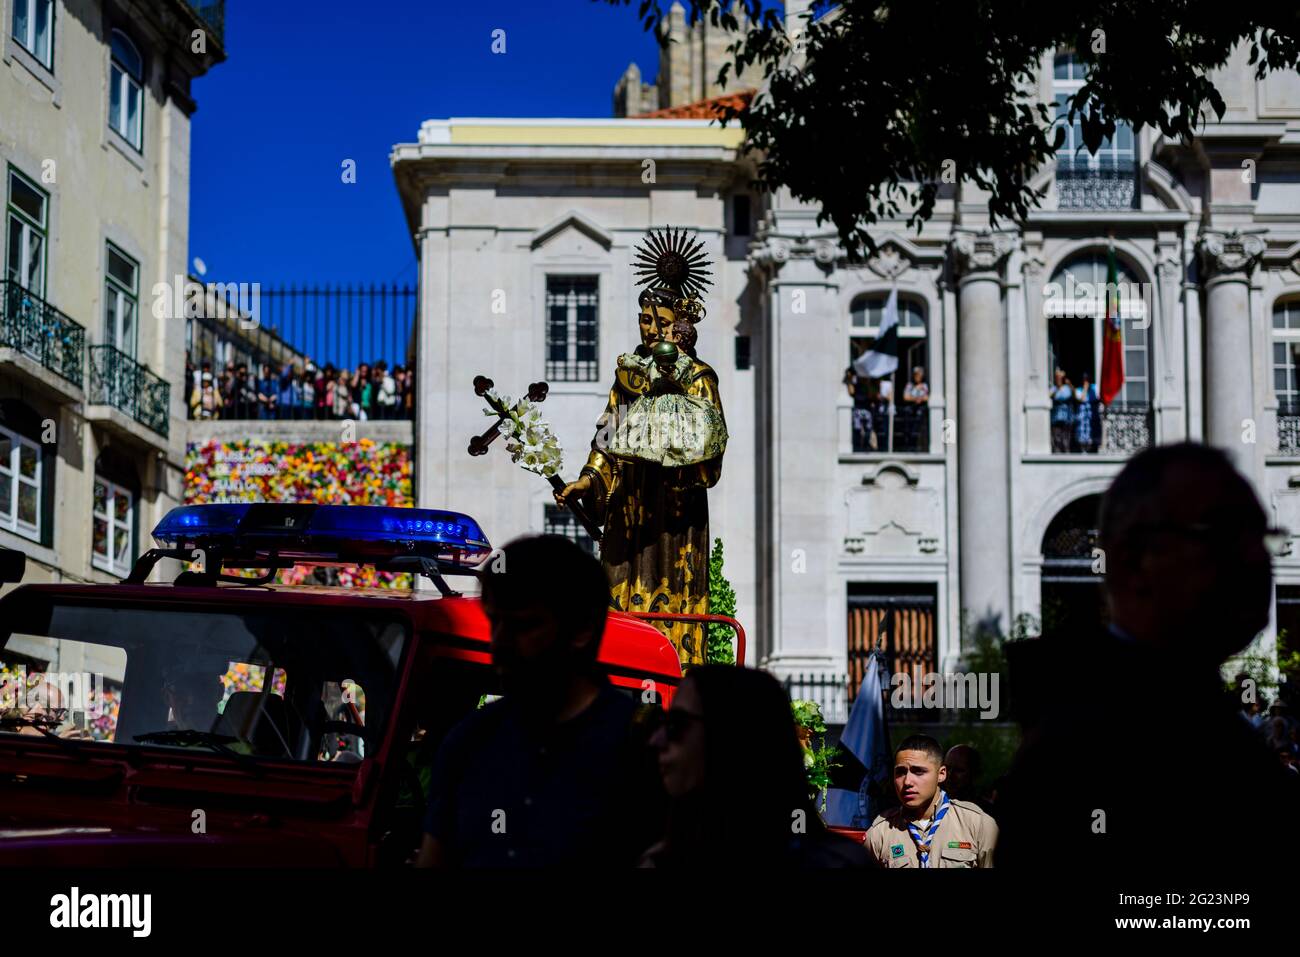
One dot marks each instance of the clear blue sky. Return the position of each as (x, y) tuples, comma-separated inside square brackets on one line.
[(310, 84)]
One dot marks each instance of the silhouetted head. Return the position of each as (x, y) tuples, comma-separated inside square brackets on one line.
[(730, 728), (1187, 567), (963, 764), (546, 600)]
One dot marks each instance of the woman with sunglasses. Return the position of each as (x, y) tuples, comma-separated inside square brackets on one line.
[(734, 773)]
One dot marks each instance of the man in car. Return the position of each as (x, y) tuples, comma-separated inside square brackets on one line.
[(555, 773)]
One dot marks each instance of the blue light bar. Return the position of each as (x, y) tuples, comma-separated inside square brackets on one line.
[(379, 523), (372, 532), (186, 523)]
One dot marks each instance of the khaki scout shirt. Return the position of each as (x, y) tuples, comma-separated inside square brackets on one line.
[(966, 838)]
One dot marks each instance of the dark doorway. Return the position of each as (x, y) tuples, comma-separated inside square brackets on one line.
[(1073, 571)]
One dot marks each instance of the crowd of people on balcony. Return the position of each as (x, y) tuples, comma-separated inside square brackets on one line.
[(371, 391), (1076, 414), (880, 424)]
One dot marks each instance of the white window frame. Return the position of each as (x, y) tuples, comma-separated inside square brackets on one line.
[(44, 54), (569, 371), (10, 469), (1288, 337), (107, 562), (865, 315), (118, 298), (1111, 153), (122, 82), (27, 227)]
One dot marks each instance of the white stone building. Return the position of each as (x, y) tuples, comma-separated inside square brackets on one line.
[(525, 229), (95, 112)]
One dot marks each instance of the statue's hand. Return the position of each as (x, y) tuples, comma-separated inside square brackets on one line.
[(575, 489)]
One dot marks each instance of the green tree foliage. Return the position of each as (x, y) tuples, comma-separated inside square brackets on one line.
[(871, 110), (720, 648)]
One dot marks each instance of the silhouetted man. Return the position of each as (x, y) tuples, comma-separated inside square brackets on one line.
[(554, 774), (964, 766), (1188, 583)]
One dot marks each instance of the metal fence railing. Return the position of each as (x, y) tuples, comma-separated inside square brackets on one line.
[(33, 327), (829, 691), (119, 381), (306, 352), (1105, 185)]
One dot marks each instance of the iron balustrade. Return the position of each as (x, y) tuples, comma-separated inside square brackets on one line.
[(1126, 428), (1107, 185), (119, 381), (30, 325)]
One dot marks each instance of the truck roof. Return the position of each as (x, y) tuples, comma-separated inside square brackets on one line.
[(629, 644)]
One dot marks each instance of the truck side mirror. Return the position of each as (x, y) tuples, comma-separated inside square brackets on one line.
[(12, 565)]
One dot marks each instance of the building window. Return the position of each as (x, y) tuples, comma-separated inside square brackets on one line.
[(34, 28), (888, 414), (20, 485), (744, 359), (1106, 180), (25, 233), (121, 282), (740, 215), (1286, 357), (114, 518), (125, 90), (560, 521), (1075, 304), (572, 331)]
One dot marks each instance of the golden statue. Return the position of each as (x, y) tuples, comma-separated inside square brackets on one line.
[(658, 449)]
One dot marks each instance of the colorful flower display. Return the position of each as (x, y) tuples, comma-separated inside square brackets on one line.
[(326, 473)]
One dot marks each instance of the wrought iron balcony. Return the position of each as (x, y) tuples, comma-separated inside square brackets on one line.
[(1125, 428), (30, 325), (1080, 185), (1288, 429), (119, 381)]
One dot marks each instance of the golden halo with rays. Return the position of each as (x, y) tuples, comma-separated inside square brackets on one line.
[(671, 260)]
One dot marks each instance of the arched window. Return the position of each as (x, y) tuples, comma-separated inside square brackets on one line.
[(887, 415), (126, 90), (1075, 304), (1106, 180), (1072, 572)]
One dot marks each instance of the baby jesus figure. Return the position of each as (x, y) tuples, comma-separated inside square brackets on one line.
[(665, 426)]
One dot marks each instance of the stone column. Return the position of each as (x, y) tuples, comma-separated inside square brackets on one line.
[(983, 426), (1227, 259), (804, 358)]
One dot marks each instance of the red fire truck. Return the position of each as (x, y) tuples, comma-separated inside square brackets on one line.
[(223, 720)]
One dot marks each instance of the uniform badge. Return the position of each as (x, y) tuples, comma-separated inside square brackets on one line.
[(964, 845), (896, 850)]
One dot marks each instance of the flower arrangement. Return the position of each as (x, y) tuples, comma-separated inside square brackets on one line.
[(528, 436)]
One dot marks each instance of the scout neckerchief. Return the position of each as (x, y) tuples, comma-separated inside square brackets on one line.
[(923, 840)]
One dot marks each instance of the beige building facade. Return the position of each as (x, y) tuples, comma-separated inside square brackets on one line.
[(95, 113)]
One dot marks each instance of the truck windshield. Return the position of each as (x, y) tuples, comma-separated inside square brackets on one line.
[(287, 683)]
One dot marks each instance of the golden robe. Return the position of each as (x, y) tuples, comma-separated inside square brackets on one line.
[(655, 544)]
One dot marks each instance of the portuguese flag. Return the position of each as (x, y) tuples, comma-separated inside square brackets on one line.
[(1112, 337)]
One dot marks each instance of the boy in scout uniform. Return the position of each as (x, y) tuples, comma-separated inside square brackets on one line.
[(929, 829)]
